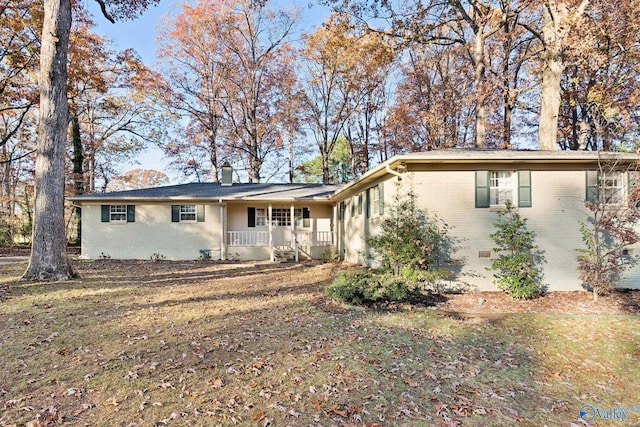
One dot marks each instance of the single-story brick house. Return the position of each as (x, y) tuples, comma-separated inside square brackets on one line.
[(466, 188)]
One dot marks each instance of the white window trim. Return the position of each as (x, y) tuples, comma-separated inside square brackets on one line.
[(118, 213), (375, 201), (184, 213), (504, 183), (619, 188), (261, 217)]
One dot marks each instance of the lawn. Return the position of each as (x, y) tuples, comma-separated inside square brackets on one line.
[(206, 344)]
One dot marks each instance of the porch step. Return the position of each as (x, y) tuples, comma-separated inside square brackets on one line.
[(284, 254)]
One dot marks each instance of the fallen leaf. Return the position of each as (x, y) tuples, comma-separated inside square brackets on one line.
[(110, 402)]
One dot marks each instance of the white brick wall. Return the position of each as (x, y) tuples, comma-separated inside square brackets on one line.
[(558, 208), (151, 233)]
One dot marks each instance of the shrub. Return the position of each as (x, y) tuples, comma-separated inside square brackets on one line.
[(362, 286), (517, 271), (609, 232), (411, 243)]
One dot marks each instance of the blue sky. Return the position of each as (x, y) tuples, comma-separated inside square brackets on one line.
[(140, 35)]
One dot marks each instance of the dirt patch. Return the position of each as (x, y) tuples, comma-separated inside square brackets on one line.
[(575, 302)]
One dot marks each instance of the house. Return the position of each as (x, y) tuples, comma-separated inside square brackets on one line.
[(466, 188)]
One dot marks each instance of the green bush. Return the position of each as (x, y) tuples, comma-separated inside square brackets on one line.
[(362, 286), (517, 270)]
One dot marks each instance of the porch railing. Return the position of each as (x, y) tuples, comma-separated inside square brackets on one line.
[(261, 238), (319, 238), (248, 238)]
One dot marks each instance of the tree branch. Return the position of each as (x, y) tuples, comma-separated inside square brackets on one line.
[(103, 8)]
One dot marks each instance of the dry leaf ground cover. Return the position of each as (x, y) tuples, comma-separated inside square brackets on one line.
[(206, 344)]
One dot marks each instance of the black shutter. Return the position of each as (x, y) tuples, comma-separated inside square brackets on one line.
[(175, 213), (524, 189), (200, 213), (131, 213), (482, 189), (251, 217), (106, 212), (306, 217)]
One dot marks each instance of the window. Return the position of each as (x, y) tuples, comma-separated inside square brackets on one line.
[(261, 217), (118, 213), (280, 217), (501, 188), (612, 187), (376, 200), (608, 185), (187, 213), (494, 188), (374, 197)]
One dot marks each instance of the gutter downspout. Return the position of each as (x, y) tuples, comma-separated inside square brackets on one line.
[(392, 172)]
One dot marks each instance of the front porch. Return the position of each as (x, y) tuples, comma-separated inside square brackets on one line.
[(300, 243), (273, 231)]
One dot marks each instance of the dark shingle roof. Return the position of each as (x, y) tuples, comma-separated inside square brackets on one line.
[(215, 191)]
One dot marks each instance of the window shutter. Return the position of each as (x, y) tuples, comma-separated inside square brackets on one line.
[(175, 213), (341, 209), (591, 183), (360, 204), (131, 213), (381, 199), (251, 216), (524, 189), (106, 212), (367, 202), (200, 213), (306, 217), (482, 189)]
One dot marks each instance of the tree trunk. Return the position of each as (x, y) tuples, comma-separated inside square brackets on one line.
[(325, 167), (481, 114), (78, 172), (554, 30), (49, 259)]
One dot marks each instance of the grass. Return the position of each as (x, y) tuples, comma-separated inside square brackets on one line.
[(205, 344)]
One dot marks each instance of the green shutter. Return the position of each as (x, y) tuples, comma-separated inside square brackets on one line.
[(306, 217), (251, 217), (106, 212), (591, 185), (381, 198), (175, 213), (524, 189), (131, 213), (482, 189), (367, 202), (200, 213)]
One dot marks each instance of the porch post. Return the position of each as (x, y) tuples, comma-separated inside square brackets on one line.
[(294, 236), (223, 230), (271, 253)]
